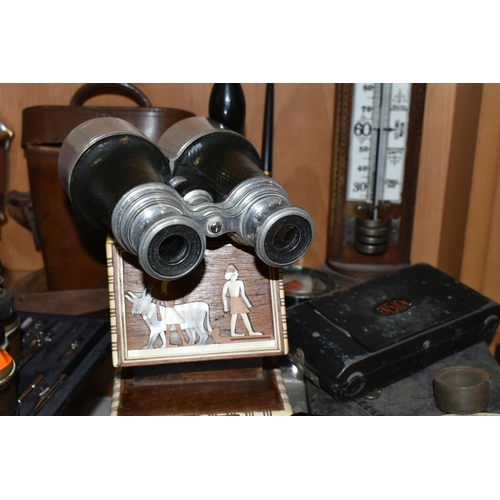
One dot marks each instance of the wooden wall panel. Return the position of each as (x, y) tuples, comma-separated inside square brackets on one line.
[(484, 189), (481, 259), (433, 173), (456, 203), (445, 172), (302, 145), (303, 157)]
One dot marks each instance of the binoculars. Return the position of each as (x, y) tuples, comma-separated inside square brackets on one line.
[(161, 201)]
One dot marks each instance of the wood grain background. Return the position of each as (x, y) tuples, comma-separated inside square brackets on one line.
[(458, 193)]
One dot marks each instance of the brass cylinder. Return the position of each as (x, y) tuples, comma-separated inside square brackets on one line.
[(372, 236)]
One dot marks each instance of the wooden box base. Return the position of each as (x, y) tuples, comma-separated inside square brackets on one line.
[(233, 387)]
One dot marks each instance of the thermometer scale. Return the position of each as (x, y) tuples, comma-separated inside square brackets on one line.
[(378, 143), (378, 130)]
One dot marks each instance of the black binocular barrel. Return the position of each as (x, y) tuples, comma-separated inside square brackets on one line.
[(222, 161), (115, 178), (252, 207), (108, 170)]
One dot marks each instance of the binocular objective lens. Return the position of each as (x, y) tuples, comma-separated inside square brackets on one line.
[(173, 250), (287, 238)]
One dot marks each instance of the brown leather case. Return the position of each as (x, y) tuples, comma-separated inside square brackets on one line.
[(73, 252)]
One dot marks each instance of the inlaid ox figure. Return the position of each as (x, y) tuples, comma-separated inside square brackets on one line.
[(189, 318)]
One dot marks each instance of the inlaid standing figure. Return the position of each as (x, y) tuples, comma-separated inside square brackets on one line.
[(238, 301)]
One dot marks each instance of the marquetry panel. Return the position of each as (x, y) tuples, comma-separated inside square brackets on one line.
[(230, 306)]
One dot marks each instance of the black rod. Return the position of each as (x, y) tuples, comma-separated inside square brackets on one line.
[(267, 140)]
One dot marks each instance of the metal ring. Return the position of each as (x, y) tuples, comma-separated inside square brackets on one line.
[(462, 390)]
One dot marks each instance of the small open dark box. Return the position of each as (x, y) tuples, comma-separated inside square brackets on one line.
[(373, 334)]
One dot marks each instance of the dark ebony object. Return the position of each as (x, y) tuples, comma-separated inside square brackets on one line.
[(267, 137), (227, 105), (368, 336)]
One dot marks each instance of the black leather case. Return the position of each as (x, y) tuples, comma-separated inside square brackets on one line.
[(368, 336)]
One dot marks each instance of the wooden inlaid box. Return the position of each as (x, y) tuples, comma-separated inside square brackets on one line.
[(231, 306)]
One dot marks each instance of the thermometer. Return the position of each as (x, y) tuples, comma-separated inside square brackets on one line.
[(377, 142), (377, 150)]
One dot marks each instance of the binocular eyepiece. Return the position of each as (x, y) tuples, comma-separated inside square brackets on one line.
[(161, 201)]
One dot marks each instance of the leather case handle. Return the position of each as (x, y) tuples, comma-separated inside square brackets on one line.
[(126, 89)]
